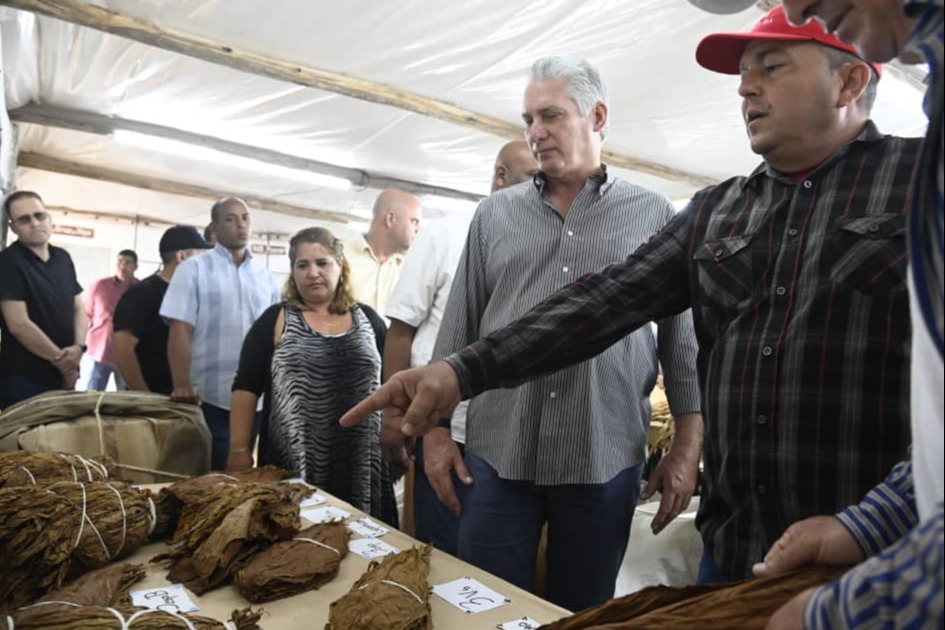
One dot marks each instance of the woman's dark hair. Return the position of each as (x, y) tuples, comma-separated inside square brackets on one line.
[(344, 298)]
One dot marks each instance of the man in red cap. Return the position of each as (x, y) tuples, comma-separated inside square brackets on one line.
[(796, 276)]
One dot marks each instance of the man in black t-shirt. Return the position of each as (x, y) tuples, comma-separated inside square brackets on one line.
[(140, 338), (42, 320)]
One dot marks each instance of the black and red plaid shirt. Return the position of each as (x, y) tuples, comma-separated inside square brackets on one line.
[(798, 293)]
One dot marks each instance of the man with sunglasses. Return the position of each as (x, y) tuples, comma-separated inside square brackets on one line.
[(42, 319)]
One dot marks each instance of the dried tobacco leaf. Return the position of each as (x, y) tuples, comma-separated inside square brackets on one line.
[(38, 532), (743, 605), (23, 468), (58, 617), (393, 594), (302, 564), (103, 587)]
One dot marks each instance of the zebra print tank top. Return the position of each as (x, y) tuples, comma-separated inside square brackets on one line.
[(315, 379)]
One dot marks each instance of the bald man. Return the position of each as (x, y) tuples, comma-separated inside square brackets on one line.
[(415, 312), (375, 258)]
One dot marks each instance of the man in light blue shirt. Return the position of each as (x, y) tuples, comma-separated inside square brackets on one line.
[(211, 303)]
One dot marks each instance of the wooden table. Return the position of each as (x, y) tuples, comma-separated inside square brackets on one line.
[(309, 611)]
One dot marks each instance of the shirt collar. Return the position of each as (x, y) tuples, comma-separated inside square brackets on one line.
[(222, 251), (869, 134), (602, 181)]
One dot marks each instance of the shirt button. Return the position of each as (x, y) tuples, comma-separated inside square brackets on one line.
[(767, 351), (761, 419), (719, 252), (570, 233), (780, 290), (792, 232), (553, 395), (808, 183), (564, 269), (762, 489), (874, 229)]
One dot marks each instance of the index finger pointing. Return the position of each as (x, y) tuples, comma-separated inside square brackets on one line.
[(375, 402)]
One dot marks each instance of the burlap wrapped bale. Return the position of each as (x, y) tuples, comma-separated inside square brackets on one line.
[(38, 532), (195, 490), (108, 586), (24, 468), (135, 429), (393, 594), (117, 520), (59, 617), (743, 605), (302, 564)]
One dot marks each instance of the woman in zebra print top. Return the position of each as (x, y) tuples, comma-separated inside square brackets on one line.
[(314, 356)]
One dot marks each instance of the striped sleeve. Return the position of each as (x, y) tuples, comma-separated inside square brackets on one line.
[(885, 514), (899, 588)]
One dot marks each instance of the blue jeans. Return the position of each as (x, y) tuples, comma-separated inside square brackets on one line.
[(14, 389), (98, 379), (218, 421), (433, 521), (588, 532), (709, 571)]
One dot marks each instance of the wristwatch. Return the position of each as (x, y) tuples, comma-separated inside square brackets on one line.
[(444, 423)]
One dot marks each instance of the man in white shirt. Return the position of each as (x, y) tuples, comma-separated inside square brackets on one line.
[(416, 311), (376, 258)]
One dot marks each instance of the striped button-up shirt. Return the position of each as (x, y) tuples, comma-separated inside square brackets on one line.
[(900, 524), (589, 422), (221, 301), (798, 291)]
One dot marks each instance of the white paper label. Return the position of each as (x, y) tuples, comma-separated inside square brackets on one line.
[(312, 501), (371, 548), (299, 480), (470, 596), (525, 623), (171, 598), (324, 514), (367, 528)]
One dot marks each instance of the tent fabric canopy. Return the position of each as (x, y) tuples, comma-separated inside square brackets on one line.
[(664, 108)]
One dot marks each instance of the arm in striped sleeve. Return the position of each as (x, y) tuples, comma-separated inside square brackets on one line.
[(885, 514), (899, 588)]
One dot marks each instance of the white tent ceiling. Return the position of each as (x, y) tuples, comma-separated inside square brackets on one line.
[(665, 109)]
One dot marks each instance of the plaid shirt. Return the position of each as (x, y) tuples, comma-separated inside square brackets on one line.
[(798, 292)]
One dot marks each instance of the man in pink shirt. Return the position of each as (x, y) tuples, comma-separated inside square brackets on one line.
[(100, 302)]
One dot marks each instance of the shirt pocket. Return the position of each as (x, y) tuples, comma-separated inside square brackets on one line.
[(724, 275), (870, 253)]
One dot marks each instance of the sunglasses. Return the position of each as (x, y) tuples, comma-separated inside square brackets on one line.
[(38, 216)]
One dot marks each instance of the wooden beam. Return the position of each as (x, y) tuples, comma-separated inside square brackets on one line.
[(57, 165), (91, 122), (246, 61)]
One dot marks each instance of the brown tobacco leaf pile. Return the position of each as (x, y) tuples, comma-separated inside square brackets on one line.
[(103, 587), (23, 468), (56, 617)]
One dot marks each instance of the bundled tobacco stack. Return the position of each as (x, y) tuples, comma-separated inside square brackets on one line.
[(740, 606), (66, 528), (304, 563), (221, 526), (64, 617), (393, 594), (22, 468)]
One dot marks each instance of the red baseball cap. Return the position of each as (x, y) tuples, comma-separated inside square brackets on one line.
[(722, 52)]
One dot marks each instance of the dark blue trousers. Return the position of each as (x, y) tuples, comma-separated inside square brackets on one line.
[(433, 522), (218, 420), (588, 532)]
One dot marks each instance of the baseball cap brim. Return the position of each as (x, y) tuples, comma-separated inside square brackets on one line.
[(722, 52), (723, 7)]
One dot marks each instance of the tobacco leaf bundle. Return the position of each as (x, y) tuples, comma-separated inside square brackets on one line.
[(23, 468), (295, 566), (103, 587), (743, 605), (38, 532), (56, 617), (172, 499), (116, 520), (393, 594)]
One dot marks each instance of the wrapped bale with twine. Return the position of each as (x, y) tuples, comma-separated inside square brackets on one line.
[(150, 438), (108, 586), (393, 594), (38, 533), (23, 468), (53, 616), (304, 563), (215, 539), (743, 605), (114, 520)]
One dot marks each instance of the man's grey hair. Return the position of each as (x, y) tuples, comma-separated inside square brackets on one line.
[(585, 86)]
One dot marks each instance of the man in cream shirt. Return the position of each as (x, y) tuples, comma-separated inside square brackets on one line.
[(375, 258)]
